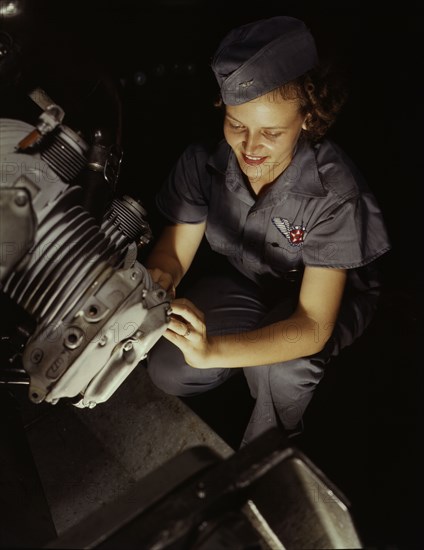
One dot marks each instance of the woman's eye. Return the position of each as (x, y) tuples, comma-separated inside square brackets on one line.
[(236, 126), (273, 134)]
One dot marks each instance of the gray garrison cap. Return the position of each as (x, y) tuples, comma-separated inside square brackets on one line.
[(258, 57)]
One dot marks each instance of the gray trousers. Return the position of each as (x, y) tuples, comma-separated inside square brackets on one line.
[(233, 304)]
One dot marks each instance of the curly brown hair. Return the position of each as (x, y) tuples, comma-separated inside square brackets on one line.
[(321, 94)]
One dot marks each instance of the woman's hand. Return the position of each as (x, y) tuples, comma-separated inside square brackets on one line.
[(187, 330), (165, 280)]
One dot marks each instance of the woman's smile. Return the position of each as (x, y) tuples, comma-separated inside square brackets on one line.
[(254, 161)]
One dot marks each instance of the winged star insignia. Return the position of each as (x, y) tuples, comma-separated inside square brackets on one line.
[(295, 234)]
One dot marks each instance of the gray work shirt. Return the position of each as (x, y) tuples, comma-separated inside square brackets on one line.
[(318, 212)]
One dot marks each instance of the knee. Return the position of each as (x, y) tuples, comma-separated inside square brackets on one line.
[(293, 380), (162, 380), (170, 373), (293, 389), (286, 387), (287, 379), (165, 370)]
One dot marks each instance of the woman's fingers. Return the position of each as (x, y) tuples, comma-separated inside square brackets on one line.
[(189, 312), (186, 323), (180, 326), (174, 338), (187, 330)]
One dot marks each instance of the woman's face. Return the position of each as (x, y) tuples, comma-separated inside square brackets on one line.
[(263, 134)]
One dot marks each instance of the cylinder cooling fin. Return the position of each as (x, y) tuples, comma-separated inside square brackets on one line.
[(131, 218), (97, 311), (65, 154), (68, 254)]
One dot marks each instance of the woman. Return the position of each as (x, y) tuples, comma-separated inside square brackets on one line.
[(293, 217)]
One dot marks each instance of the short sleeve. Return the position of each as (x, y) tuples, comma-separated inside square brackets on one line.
[(351, 235), (183, 197)]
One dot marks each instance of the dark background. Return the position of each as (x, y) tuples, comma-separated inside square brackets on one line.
[(362, 427)]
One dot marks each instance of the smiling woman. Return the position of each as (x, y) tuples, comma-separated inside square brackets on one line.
[(298, 227), (263, 135)]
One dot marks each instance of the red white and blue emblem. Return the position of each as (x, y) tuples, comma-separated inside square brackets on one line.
[(295, 234)]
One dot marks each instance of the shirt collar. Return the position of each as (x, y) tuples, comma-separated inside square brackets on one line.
[(301, 177), (225, 162), (220, 156)]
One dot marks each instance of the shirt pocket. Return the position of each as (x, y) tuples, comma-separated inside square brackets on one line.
[(282, 257)]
